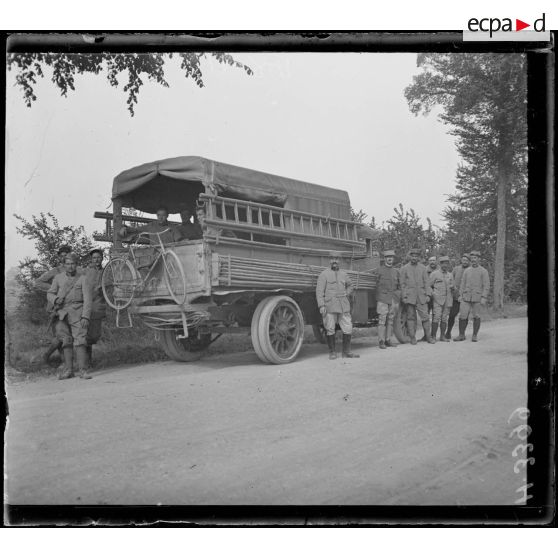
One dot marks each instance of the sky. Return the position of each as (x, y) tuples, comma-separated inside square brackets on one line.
[(336, 119)]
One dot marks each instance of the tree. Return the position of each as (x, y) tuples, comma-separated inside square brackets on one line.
[(48, 236), (29, 67), (483, 99), (404, 231)]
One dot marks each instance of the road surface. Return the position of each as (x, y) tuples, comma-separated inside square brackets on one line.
[(414, 425)]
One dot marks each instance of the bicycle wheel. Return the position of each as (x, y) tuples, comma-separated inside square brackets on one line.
[(119, 281), (175, 278)]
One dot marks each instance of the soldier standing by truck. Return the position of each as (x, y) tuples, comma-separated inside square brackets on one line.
[(71, 302), (98, 306), (441, 284), (332, 292), (414, 294), (43, 283), (474, 289), (388, 292), (457, 275)]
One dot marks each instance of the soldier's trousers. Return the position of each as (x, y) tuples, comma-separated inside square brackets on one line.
[(441, 313), (469, 310), (386, 313), (413, 309), (70, 333), (344, 320)]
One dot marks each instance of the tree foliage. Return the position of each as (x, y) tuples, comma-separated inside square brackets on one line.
[(29, 67), (483, 100), (48, 235)]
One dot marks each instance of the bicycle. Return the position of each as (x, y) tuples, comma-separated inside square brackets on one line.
[(122, 280)]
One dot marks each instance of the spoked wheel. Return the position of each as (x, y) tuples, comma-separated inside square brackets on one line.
[(184, 350), (400, 324), (319, 333), (119, 282), (277, 330), (175, 278)]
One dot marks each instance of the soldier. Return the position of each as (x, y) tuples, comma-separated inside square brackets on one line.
[(187, 230), (71, 301), (210, 230), (457, 275), (441, 284), (160, 226), (431, 265), (388, 292), (414, 294), (98, 306), (43, 283), (474, 288), (332, 292)]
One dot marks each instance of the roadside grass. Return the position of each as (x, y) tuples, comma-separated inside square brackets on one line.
[(26, 342)]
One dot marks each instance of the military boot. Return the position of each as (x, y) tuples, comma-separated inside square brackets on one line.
[(451, 321), (382, 337), (89, 356), (347, 347), (462, 328), (426, 327), (389, 342), (331, 345), (81, 357), (412, 328), (476, 327), (54, 346), (434, 330), (67, 371), (443, 336)]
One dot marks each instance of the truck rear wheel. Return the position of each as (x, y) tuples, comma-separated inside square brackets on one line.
[(183, 350), (277, 330), (400, 325)]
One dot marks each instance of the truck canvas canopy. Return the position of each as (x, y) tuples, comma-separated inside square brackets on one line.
[(177, 182)]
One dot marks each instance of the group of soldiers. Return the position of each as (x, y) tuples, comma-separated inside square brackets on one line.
[(421, 290), (77, 307)]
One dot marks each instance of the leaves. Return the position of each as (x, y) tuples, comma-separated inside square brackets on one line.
[(136, 67), (483, 99)]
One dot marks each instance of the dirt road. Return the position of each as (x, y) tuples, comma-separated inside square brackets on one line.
[(413, 425)]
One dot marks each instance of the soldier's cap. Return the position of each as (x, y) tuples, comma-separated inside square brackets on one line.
[(64, 249), (96, 251), (414, 252), (334, 255), (468, 256), (432, 259), (389, 253), (443, 259), (475, 253)]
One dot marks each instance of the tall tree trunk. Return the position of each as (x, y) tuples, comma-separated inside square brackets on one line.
[(499, 260)]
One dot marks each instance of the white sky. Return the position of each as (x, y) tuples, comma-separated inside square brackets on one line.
[(335, 119)]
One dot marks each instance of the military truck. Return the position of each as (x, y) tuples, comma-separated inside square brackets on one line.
[(266, 238)]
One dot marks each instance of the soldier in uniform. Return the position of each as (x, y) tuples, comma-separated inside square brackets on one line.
[(187, 230), (388, 292), (332, 292), (457, 275), (71, 301), (161, 225), (474, 289), (43, 283), (431, 265), (414, 294), (98, 306), (441, 284)]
